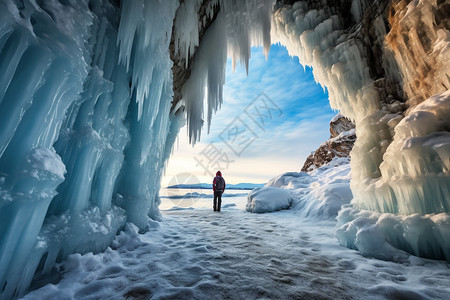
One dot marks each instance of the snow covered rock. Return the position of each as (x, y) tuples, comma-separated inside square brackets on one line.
[(342, 139), (268, 199), (340, 124), (319, 193)]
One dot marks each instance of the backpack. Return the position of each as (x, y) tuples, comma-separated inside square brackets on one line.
[(219, 183)]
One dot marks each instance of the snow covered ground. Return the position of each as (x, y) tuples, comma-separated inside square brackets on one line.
[(199, 254)]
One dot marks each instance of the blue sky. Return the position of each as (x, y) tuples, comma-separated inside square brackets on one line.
[(279, 145)]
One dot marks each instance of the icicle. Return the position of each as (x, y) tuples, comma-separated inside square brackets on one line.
[(242, 24)]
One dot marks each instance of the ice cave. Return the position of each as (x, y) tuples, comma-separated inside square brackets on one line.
[(93, 94)]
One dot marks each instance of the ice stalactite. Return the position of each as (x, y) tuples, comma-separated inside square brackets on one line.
[(86, 127), (239, 26), (318, 37), (378, 63)]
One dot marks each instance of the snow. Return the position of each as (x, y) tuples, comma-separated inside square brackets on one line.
[(268, 199), (336, 117), (320, 193), (45, 163), (193, 252), (199, 254)]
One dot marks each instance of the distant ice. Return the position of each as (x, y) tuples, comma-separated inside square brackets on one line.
[(201, 195)]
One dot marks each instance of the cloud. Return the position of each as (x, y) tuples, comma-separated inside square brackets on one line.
[(285, 141)]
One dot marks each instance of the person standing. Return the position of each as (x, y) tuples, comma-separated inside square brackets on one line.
[(218, 188)]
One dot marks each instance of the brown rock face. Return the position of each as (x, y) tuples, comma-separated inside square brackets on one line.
[(339, 124), (342, 139)]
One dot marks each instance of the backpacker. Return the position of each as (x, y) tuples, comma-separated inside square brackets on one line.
[(219, 183)]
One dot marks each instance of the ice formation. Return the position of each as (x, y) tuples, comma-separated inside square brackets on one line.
[(87, 120), (84, 137), (386, 67), (238, 26)]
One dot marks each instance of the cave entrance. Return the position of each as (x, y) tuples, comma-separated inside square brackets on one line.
[(281, 115)]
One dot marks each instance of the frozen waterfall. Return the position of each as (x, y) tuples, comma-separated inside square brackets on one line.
[(384, 68)]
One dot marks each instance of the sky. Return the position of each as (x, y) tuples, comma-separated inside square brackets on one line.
[(269, 122)]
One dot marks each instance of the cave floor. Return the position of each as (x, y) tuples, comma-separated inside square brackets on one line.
[(201, 254)]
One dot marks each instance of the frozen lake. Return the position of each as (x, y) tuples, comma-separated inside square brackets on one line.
[(200, 198)]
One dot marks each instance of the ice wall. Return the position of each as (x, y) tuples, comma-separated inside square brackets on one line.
[(85, 97), (378, 63)]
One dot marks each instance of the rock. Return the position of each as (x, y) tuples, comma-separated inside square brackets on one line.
[(340, 124), (342, 139)]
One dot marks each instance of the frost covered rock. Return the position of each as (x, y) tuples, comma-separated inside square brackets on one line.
[(268, 199), (342, 139)]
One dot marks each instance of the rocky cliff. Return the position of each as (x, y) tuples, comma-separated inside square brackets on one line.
[(341, 141)]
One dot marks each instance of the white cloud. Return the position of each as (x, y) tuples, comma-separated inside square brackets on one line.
[(286, 140)]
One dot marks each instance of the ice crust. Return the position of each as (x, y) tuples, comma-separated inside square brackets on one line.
[(380, 235)]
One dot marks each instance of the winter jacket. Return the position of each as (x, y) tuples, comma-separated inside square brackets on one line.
[(218, 174)]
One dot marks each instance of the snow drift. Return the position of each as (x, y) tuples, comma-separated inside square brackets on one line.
[(318, 194), (268, 199)]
